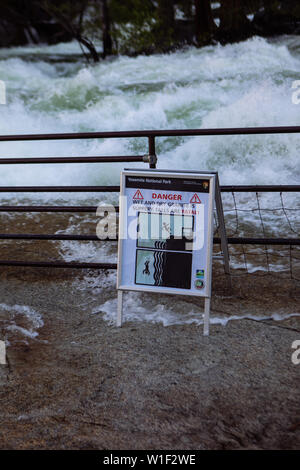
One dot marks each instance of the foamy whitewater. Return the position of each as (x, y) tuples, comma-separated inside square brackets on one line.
[(51, 89), (245, 84), (19, 323)]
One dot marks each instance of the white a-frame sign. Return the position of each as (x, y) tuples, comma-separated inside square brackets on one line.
[(166, 234)]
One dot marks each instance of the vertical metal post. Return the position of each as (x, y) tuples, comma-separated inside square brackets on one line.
[(222, 228), (152, 154), (206, 316), (2, 353), (120, 308)]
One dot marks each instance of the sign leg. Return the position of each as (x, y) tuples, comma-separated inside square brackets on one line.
[(222, 228), (206, 316), (120, 308)]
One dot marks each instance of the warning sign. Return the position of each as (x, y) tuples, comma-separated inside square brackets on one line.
[(165, 241), (195, 199), (166, 233), (138, 196)]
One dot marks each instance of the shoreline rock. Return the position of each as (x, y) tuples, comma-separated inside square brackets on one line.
[(84, 384)]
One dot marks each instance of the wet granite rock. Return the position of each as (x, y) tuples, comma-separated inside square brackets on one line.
[(85, 384)]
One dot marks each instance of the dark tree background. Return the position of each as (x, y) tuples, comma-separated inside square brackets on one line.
[(204, 22), (234, 24)]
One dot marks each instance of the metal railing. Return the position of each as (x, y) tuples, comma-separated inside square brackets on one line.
[(150, 158)]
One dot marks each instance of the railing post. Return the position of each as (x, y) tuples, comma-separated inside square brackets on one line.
[(152, 154)]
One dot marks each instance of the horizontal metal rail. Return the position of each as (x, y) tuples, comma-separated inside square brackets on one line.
[(150, 158), (261, 189), (73, 209), (231, 241), (43, 160), (107, 266), (59, 189), (40, 236), (116, 189), (261, 241), (58, 264), (153, 133)]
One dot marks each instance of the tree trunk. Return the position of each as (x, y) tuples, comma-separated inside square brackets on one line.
[(187, 8), (166, 13), (166, 24), (234, 24), (204, 23), (89, 45), (75, 30), (106, 29)]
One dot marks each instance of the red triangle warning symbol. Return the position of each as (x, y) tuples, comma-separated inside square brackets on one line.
[(138, 195), (195, 199)]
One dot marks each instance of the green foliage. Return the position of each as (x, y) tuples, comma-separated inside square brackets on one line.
[(135, 11), (133, 23), (186, 6)]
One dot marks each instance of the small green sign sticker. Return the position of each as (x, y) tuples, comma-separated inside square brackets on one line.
[(199, 284)]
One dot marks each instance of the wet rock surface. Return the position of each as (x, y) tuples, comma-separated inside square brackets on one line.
[(84, 384)]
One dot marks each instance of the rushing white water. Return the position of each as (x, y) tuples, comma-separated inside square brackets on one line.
[(169, 314), (245, 84), (19, 322), (51, 89)]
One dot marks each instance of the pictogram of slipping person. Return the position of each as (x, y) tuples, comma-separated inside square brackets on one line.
[(146, 269)]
